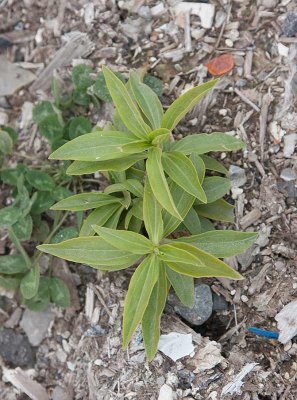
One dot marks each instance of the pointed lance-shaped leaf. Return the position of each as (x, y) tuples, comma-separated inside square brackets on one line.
[(219, 210), (181, 106), (206, 142), (85, 201), (226, 243), (182, 171), (30, 282), (189, 260), (99, 146), (89, 250), (152, 215), (100, 216), (89, 167), (138, 296), (125, 240), (152, 316), (147, 100), (183, 286), (125, 105), (158, 182)]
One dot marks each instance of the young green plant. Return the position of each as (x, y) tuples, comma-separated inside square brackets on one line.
[(158, 187)]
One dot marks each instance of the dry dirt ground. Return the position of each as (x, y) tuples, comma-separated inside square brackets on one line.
[(80, 356)]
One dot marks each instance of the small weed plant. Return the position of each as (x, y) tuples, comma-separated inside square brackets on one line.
[(158, 187)]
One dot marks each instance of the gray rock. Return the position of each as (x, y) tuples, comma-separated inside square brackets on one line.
[(269, 3), (237, 176), (35, 325), (202, 309), (15, 349), (288, 174), (219, 303), (290, 24)]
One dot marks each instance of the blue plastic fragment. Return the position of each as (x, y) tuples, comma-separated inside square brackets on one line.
[(264, 333)]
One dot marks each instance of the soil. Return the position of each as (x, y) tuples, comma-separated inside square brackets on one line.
[(81, 355)]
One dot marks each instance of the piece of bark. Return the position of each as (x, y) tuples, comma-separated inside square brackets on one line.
[(78, 45)]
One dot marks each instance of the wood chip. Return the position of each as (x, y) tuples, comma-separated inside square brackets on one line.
[(250, 218), (78, 45), (18, 378), (267, 99)]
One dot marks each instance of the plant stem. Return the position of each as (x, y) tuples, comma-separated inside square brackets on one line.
[(19, 246)]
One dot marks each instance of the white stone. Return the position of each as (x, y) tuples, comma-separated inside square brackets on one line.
[(287, 322), (176, 345), (3, 118), (89, 13), (166, 393), (197, 33), (229, 43), (290, 142), (283, 50), (158, 10), (204, 11)]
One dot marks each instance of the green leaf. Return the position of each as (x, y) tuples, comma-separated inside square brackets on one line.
[(134, 186), (81, 97), (138, 296), (91, 251), (121, 164), (51, 127), (125, 105), (147, 100), (199, 166), (182, 171), (213, 165), (188, 260), (183, 286), (135, 224), (206, 225), (155, 84), (158, 182), (79, 126), (81, 76), (113, 221), (6, 143), (30, 282), (61, 193), (215, 187), (219, 210), (124, 240), (12, 133), (59, 292), (192, 222), (225, 243), (152, 315), (65, 234), (159, 136), (40, 301), (183, 202), (9, 216), (42, 203), (40, 180), (23, 228), (98, 217), (13, 264), (42, 110), (100, 87), (152, 215), (97, 146), (56, 89), (85, 201), (10, 176), (181, 106), (206, 142), (9, 282)]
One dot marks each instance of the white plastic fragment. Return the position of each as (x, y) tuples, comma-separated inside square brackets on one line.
[(287, 322), (176, 345), (234, 387), (283, 50), (166, 393), (208, 357), (204, 11)]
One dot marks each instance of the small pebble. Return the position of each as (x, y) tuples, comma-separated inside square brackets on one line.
[(244, 298), (290, 24), (288, 174), (229, 43), (237, 176)]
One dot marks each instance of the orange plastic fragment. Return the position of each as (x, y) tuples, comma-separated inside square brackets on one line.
[(220, 65)]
